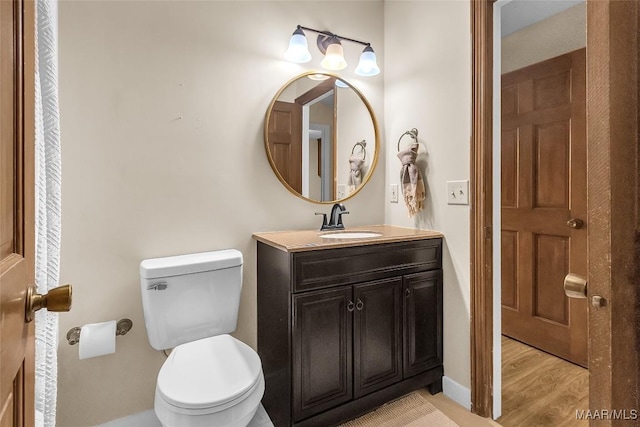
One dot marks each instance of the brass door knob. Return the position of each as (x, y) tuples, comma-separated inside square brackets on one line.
[(57, 299), (575, 286), (575, 223)]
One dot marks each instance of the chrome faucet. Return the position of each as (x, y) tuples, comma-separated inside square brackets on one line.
[(335, 218)]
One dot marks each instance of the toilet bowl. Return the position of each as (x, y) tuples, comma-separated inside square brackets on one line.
[(215, 381), (190, 304)]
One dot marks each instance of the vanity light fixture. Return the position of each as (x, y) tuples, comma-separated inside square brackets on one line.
[(330, 45)]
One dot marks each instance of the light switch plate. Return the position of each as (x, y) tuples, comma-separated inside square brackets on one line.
[(458, 192), (342, 191), (394, 193)]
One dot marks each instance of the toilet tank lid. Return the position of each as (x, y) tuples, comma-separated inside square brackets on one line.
[(190, 263)]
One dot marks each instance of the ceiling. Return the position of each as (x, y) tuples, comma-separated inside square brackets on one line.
[(519, 14)]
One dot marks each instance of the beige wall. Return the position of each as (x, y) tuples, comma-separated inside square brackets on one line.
[(428, 86), (556, 35), (354, 125), (162, 107)]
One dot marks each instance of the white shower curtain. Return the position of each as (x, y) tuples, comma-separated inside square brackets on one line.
[(47, 207)]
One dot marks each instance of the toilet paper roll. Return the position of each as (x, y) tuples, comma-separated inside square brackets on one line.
[(97, 339)]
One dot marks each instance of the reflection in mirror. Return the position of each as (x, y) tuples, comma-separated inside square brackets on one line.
[(321, 138)]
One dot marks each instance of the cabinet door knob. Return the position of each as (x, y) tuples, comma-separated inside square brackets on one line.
[(407, 292), (350, 306), (359, 304)]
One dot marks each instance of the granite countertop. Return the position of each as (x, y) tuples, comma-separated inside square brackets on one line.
[(309, 240)]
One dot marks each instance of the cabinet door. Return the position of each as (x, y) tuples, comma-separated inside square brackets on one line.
[(322, 351), (422, 322), (377, 355)]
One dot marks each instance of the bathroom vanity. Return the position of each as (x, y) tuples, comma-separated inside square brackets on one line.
[(345, 325)]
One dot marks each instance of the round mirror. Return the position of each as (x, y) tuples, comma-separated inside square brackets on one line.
[(321, 137)]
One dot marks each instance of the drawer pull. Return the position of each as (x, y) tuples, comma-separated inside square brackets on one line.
[(359, 304), (350, 306), (407, 292)]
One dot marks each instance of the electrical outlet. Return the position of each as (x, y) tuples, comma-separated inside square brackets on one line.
[(342, 191), (394, 193), (458, 192)]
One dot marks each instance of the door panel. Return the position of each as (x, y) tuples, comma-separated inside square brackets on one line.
[(322, 355), (509, 163), (8, 123), (377, 335), (16, 211), (285, 142), (551, 165), (510, 269), (551, 260), (543, 186), (552, 90), (422, 320)]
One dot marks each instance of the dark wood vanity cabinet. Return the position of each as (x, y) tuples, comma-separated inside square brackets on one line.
[(422, 326), (348, 344), (341, 331)]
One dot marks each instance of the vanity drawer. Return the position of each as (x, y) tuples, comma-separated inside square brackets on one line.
[(331, 267)]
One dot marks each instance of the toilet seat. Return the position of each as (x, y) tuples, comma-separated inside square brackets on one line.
[(209, 375)]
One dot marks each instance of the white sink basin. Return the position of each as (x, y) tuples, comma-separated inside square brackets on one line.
[(350, 235)]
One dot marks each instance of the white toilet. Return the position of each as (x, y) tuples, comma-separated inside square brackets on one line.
[(191, 303)]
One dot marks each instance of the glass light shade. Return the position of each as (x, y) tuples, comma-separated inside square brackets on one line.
[(367, 66), (341, 84), (334, 58), (318, 77), (298, 50)]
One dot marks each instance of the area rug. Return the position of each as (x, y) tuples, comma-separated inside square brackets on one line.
[(410, 411)]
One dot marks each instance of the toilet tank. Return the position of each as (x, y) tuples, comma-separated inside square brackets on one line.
[(189, 297)]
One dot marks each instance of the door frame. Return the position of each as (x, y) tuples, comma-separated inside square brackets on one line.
[(613, 202)]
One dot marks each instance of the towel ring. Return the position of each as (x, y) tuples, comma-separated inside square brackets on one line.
[(413, 133), (362, 145)]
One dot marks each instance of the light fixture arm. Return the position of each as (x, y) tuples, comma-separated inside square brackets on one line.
[(328, 35)]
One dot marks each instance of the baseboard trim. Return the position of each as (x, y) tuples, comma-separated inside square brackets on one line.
[(141, 419), (456, 392), (149, 419)]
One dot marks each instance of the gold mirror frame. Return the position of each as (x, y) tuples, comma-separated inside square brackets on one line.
[(376, 132)]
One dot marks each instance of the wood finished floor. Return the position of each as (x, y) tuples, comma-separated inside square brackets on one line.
[(539, 389)]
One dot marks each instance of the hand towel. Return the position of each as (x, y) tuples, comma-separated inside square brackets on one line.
[(413, 188), (355, 174)]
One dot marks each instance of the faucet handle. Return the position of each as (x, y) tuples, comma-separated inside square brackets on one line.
[(324, 219), (340, 223)]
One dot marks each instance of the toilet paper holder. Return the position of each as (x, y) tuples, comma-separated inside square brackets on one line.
[(122, 327)]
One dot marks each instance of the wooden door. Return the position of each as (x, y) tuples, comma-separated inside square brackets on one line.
[(285, 142), (377, 335), (322, 350), (543, 155), (17, 252), (422, 346)]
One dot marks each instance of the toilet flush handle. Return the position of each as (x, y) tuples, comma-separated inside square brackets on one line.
[(160, 286)]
